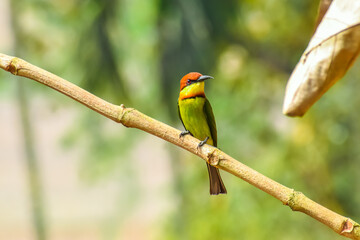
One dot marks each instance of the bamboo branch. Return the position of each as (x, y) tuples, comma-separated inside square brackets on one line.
[(132, 118)]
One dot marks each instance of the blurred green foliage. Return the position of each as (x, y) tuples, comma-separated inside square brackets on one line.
[(135, 52)]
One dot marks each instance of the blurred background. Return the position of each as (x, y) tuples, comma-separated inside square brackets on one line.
[(67, 172)]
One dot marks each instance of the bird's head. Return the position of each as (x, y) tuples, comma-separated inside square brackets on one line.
[(191, 78), (192, 85)]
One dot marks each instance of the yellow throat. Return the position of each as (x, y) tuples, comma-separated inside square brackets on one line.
[(193, 90)]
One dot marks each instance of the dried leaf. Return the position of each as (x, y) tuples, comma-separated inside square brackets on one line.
[(330, 53), (323, 7)]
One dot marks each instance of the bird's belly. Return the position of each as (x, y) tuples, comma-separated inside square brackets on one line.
[(194, 119)]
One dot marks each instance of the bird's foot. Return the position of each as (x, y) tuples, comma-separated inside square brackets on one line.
[(202, 143), (183, 133)]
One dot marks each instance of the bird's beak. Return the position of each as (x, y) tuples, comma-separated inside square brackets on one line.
[(203, 78)]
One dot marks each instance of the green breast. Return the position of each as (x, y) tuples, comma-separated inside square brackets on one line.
[(194, 118)]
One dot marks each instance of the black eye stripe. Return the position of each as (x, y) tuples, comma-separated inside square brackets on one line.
[(189, 81)]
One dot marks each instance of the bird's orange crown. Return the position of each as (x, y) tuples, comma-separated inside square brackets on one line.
[(190, 76)]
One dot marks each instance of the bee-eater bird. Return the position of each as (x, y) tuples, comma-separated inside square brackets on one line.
[(198, 120)]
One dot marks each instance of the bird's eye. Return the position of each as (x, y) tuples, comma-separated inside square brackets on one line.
[(188, 82)]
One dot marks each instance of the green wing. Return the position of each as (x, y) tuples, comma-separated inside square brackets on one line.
[(211, 121)]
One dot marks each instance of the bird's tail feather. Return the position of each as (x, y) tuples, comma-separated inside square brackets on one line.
[(216, 184)]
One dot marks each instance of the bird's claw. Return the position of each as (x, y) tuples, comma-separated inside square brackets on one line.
[(202, 143), (183, 133)]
